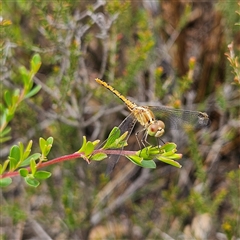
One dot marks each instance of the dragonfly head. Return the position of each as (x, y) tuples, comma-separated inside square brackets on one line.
[(203, 119), (156, 129)]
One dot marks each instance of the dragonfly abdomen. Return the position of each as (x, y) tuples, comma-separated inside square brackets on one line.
[(129, 104)]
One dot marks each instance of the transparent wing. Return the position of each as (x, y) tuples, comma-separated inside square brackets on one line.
[(126, 125), (177, 118)]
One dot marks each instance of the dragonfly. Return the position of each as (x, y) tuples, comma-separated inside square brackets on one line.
[(155, 119)]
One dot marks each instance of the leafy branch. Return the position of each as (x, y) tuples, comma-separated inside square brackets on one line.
[(20, 163), (12, 99)]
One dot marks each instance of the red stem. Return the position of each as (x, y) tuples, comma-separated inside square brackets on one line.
[(68, 157)]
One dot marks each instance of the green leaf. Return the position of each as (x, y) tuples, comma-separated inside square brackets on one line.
[(33, 166), (114, 134), (7, 98), (95, 143), (170, 153), (2, 107), (169, 161), (176, 156), (5, 131), (35, 63), (149, 153), (14, 156), (15, 99), (4, 182), (21, 148), (47, 150), (4, 139), (33, 91), (9, 116), (26, 162), (23, 172), (24, 75), (148, 164), (166, 153), (168, 147), (50, 140), (98, 156), (4, 166), (48, 146), (144, 153), (135, 159), (120, 142), (42, 175), (28, 149), (89, 148), (31, 181), (3, 116), (82, 149), (42, 144)]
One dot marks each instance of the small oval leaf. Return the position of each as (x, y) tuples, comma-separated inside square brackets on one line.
[(50, 140), (4, 182), (31, 181), (35, 62), (89, 148), (14, 156), (148, 164), (23, 172), (42, 144), (168, 146), (42, 175)]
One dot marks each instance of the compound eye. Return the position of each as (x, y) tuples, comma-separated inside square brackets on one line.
[(156, 129)]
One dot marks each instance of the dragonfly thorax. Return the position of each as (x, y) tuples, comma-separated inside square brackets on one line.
[(144, 115), (156, 128)]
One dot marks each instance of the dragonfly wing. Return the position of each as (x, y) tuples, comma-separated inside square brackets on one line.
[(127, 125), (177, 118)]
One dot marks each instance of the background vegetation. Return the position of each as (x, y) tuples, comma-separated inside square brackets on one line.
[(158, 52)]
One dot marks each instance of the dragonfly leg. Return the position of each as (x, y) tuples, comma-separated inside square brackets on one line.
[(112, 161), (159, 139), (141, 141), (145, 139)]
